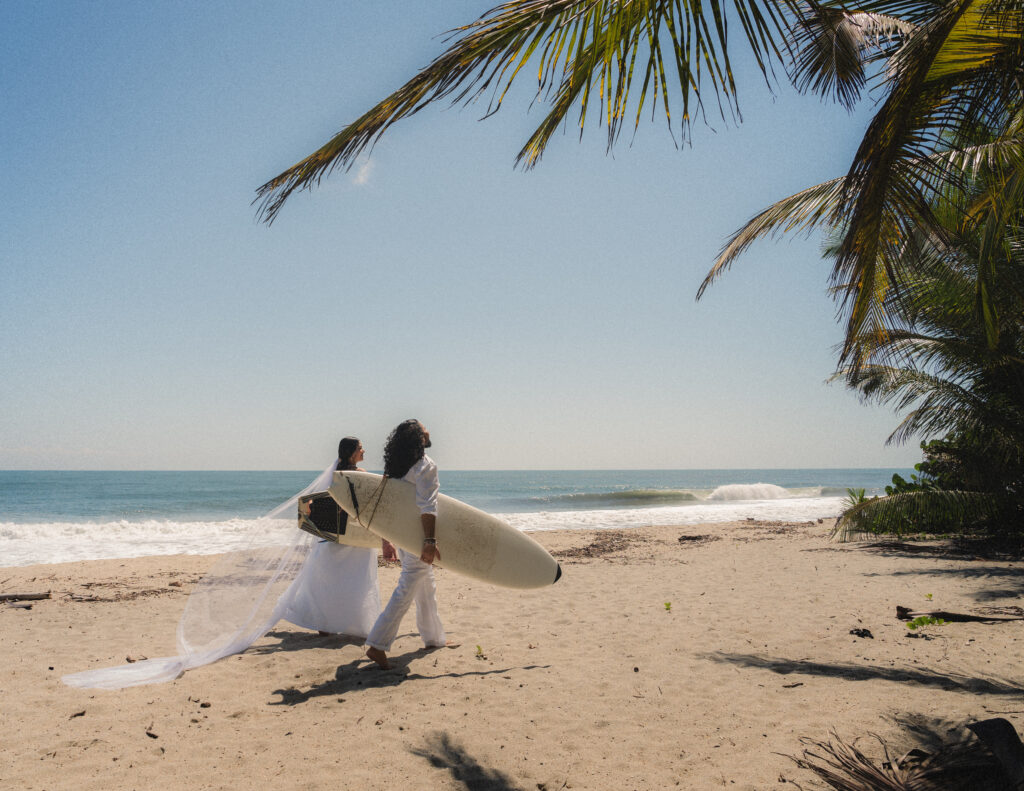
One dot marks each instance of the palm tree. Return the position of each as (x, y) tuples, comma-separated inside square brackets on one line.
[(949, 70), (935, 355), (944, 67)]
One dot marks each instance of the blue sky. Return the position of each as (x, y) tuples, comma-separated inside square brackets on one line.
[(532, 320)]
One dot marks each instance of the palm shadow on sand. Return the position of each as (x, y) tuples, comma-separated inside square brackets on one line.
[(956, 682), (1007, 582), (361, 674), (443, 753)]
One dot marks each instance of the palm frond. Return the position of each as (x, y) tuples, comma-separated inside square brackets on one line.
[(958, 766), (821, 206), (923, 511), (944, 404), (887, 189), (586, 51), (832, 46), (844, 767), (989, 32), (802, 212)]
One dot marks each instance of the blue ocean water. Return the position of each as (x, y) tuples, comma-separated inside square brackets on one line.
[(519, 491), (55, 496), (52, 516)]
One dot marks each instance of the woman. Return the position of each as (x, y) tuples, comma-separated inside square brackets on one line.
[(279, 574), (337, 591)]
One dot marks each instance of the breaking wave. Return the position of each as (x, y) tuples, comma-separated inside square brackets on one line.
[(750, 491)]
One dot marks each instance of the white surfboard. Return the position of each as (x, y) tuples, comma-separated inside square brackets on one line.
[(470, 541)]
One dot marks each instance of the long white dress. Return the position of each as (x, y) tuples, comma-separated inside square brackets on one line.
[(246, 591), (336, 590)]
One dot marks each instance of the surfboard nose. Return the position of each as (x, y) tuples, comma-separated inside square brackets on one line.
[(558, 574)]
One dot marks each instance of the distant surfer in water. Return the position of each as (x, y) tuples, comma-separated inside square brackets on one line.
[(405, 457)]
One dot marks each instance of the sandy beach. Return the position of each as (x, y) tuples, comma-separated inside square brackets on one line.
[(654, 663)]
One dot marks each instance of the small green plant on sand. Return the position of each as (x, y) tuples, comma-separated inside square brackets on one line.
[(922, 621), (668, 606), (928, 596), (480, 653)]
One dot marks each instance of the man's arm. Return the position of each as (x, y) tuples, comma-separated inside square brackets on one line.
[(427, 487), (430, 551)]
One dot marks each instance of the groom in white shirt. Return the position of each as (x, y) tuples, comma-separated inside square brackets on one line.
[(405, 457)]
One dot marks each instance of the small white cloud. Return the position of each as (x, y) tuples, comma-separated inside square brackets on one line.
[(362, 174)]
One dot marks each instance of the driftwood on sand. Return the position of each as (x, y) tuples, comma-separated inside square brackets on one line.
[(23, 596)]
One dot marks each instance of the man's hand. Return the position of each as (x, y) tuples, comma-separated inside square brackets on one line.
[(390, 556), (429, 552)]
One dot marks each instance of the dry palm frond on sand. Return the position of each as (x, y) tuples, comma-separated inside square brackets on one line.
[(993, 761)]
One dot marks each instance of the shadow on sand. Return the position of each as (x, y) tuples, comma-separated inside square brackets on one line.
[(302, 641), (851, 672), (443, 753), (966, 550), (1010, 580), (360, 673)]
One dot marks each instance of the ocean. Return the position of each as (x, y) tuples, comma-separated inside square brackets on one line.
[(54, 516)]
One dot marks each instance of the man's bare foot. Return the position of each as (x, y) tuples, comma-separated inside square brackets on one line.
[(448, 644), (379, 657)]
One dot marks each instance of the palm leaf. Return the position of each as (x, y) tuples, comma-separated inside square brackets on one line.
[(989, 32), (586, 51), (893, 515), (960, 766), (802, 212), (832, 46), (928, 109)]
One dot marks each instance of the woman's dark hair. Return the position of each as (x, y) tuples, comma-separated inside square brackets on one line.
[(405, 447), (346, 449)]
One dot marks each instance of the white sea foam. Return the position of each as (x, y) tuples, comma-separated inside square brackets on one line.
[(791, 509), (59, 542)]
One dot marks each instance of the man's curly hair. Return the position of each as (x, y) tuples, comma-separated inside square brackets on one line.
[(405, 447)]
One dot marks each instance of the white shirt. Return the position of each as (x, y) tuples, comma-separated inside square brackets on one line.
[(423, 474)]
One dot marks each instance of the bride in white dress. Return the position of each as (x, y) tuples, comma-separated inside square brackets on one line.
[(336, 591), (281, 573)]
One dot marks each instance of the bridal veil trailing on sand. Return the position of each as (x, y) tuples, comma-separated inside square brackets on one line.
[(241, 597)]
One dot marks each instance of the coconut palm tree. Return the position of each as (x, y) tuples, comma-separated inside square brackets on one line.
[(951, 72), (943, 68), (936, 357)]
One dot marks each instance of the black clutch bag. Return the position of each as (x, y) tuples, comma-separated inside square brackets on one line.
[(321, 516)]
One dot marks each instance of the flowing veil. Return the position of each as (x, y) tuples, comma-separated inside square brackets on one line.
[(241, 597)]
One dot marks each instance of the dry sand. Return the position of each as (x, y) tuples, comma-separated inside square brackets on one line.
[(590, 684)]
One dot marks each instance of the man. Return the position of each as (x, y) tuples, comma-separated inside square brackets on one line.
[(405, 457)]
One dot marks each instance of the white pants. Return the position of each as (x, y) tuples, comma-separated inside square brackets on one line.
[(415, 584)]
